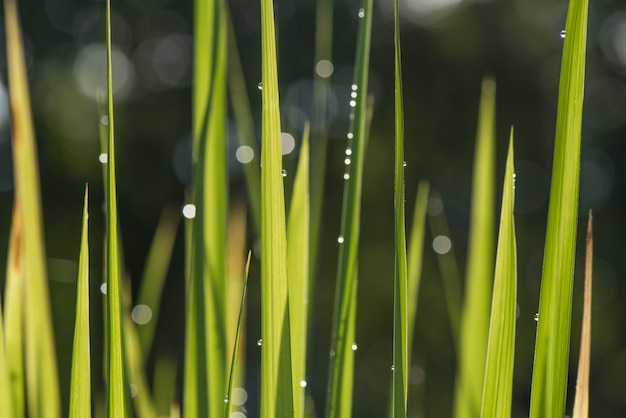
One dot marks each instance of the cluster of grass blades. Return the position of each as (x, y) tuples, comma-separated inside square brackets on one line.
[(483, 328)]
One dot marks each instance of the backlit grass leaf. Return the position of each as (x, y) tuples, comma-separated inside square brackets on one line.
[(42, 389), (549, 383), (6, 399), (498, 384)]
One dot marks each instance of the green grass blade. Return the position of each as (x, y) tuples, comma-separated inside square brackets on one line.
[(276, 400), (342, 340), (14, 316), (206, 357), (298, 274), (555, 302), (498, 384), (164, 392), (474, 326), (40, 354), (399, 387), (80, 388), (117, 395), (154, 275), (233, 363), (581, 399), (6, 395)]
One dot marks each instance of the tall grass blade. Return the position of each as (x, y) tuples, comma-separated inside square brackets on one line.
[(399, 387), (80, 387), (475, 315), (276, 400), (164, 392), (342, 340), (581, 399), (206, 358), (6, 398), (498, 384), (555, 303), (298, 274), (117, 395), (14, 316), (42, 389)]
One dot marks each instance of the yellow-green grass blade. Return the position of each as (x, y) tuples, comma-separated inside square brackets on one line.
[(245, 127), (80, 387), (14, 316), (42, 388), (154, 275), (6, 399), (117, 390), (164, 392), (474, 324), (342, 340), (550, 368), (276, 399), (581, 399), (498, 384), (298, 274), (206, 358), (235, 354), (400, 369)]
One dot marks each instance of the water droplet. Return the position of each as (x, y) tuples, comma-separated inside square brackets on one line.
[(244, 154), (352, 103), (284, 173), (133, 390), (393, 368), (332, 353), (103, 158), (104, 119), (259, 342), (404, 163), (361, 13), (353, 94), (303, 383), (340, 239), (348, 151), (354, 347), (536, 318), (562, 34), (226, 399), (347, 161), (189, 211), (346, 176), (103, 288), (259, 86), (350, 135), (355, 87)]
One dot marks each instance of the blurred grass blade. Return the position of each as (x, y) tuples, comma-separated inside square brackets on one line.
[(276, 400), (6, 398), (117, 397), (549, 383), (206, 319), (42, 389), (581, 399), (233, 363), (498, 384), (298, 274), (14, 315), (400, 369), (80, 387), (164, 392), (474, 326), (342, 340), (154, 275)]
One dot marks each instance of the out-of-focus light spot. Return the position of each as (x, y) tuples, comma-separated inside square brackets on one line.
[(244, 154), (303, 383), (287, 143), (133, 390), (352, 103), (104, 120), (435, 206), (141, 314), (103, 158), (416, 375), (239, 396), (165, 61), (427, 12), (361, 13), (324, 68), (90, 71), (189, 211), (103, 288), (613, 39), (442, 244)]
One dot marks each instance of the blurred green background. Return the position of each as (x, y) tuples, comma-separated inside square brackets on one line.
[(448, 46)]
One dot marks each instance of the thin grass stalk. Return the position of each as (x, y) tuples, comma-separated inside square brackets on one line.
[(474, 326), (163, 391), (498, 383), (6, 399), (42, 389), (342, 340), (581, 399), (550, 369), (276, 400), (80, 386), (400, 369)]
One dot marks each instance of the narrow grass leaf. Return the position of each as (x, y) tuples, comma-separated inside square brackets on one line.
[(581, 399), (206, 357), (298, 227), (498, 384), (117, 391), (164, 392), (549, 383), (80, 387), (42, 388), (6, 398), (276, 400), (474, 324), (399, 387), (342, 341)]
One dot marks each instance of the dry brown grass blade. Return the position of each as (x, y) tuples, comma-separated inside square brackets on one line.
[(581, 400)]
